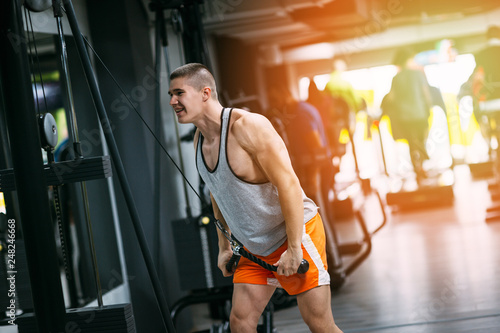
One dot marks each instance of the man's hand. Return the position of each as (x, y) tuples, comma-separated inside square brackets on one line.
[(223, 259), (289, 262)]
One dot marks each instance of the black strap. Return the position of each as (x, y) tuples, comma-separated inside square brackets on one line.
[(233, 263), (303, 267)]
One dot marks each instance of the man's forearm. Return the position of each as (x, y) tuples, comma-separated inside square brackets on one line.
[(292, 207)]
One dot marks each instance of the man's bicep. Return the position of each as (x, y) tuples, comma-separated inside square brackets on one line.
[(274, 160), (266, 147)]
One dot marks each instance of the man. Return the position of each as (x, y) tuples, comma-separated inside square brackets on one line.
[(258, 199), (304, 137), (338, 87), (340, 111), (408, 104)]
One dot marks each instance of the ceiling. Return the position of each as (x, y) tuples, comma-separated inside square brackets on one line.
[(285, 26), (290, 23)]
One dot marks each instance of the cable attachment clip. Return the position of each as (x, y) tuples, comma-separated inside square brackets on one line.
[(235, 246)]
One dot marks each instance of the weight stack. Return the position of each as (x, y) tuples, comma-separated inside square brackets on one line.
[(117, 318), (197, 249)]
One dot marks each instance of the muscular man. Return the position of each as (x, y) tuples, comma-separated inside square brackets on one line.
[(257, 197)]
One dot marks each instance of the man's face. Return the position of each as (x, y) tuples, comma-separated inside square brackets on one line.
[(185, 100)]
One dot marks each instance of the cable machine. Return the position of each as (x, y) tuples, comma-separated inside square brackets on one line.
[(30, 177), (49, 313)]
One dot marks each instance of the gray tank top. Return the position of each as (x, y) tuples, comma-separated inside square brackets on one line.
[(252, 211)]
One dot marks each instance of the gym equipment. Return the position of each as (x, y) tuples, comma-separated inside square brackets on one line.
[(50, 312), (30, 181), (117, 318), (491, 108), (435, 190), (118, 165), (349, 203), (115, 155), (482, 170), (38, 5), (59, 173), (195, 238), (468, 106)]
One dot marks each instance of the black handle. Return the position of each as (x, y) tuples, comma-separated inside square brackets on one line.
[(234, 260), (303, 267)]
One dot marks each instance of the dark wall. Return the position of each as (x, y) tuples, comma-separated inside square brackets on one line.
[(237, 70), (275, 75)]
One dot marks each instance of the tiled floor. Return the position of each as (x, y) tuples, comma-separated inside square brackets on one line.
[(435, 270)]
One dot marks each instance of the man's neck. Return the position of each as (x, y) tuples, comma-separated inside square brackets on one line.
[(209, 125)]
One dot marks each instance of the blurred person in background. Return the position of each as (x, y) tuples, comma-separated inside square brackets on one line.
[(484, 85), (408, 106), (343, 103), (344, 98), (301, 127), (339, 88)]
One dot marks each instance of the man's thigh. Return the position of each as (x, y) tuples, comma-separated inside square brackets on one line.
[(315, 303), (250, 300)]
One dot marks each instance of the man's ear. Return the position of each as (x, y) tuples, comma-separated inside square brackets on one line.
[(206, 94)]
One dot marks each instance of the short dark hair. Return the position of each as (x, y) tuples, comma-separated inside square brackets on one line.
[(198, 77), (402, 55)]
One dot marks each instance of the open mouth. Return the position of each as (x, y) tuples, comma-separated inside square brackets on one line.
[(177, 111)]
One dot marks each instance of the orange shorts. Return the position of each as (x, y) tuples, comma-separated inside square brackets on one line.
[(314, 251)]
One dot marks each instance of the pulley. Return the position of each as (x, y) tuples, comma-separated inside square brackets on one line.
[(38, 5), (48, 131)]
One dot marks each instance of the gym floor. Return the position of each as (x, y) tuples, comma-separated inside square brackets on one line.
[(432, 270)]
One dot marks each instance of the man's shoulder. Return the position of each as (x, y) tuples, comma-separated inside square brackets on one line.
[(244, 119), (249, 128)]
